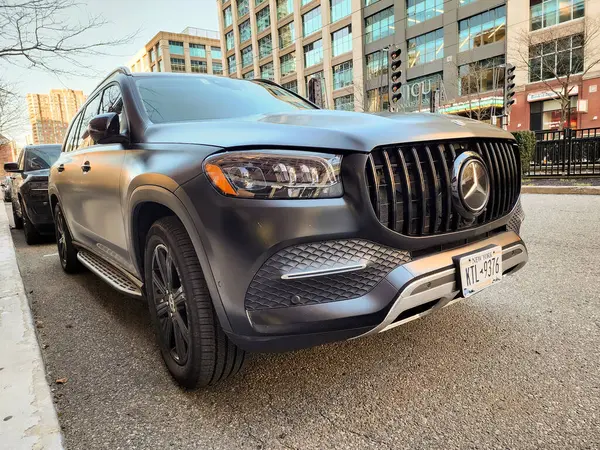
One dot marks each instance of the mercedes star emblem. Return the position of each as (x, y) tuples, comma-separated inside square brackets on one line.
[(470, 185)]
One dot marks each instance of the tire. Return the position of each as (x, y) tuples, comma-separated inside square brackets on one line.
[(203, 355), (18, 221), (31, 233), (67, 253)]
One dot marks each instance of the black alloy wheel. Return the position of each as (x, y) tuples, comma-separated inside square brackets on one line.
[(170, 304), (67, 253)]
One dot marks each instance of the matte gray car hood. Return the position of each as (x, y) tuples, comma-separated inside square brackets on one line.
[(322, 129)]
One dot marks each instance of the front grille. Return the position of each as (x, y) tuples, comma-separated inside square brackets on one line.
[(410, 184)]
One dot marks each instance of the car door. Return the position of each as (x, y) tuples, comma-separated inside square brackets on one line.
[(16, 179), (100, 215), (67, 173)]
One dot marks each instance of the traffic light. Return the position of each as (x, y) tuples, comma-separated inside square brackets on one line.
[(509, 87), (396, 75)]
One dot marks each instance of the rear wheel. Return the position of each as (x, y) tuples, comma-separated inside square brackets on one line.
[(67, 253), (193, 345), (31, 233)]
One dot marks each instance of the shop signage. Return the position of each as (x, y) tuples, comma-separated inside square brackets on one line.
[(546, 95)]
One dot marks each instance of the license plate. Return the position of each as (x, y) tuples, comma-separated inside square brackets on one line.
[(480, 270)]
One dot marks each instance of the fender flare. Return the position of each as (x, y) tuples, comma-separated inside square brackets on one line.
[(162, 196)]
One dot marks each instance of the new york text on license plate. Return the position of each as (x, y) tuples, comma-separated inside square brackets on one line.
[(480, 270)]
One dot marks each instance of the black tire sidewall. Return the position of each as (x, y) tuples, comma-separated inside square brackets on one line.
[(182, 373), (31, 234), (72, 264)]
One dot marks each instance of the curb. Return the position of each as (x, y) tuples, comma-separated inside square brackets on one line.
[(564, 190), (27, 415)]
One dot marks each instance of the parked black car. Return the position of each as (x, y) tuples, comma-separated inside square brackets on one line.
[(29, 190), (6, 188), (252, 220)]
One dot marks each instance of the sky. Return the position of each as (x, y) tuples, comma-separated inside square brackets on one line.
[(145, 18)]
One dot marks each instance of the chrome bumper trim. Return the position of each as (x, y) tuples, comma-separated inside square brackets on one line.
[(323, 272), (436, 279)]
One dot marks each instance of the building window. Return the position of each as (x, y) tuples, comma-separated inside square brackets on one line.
[(158, 52), (259, 2), (217, 68), (161, 66), (229, 42), (342, 75), (345, 103), (153, 68), (227, 17), (418, 11), (481, 76), (370, 2), (379, 25), (265, 46), (198, 66), (416, 93), (305, 2), (177, 65), (248, 75), (215, 53), (198, 50), (232, 64), (245, 31), (176, 48), (546, 115), (288, 63), (313, 53), (426, 48), (465, 2), (151, 54), (377, 64), (545, 13), (482, 29), (243, 6), (247, 56), (341, 41), (284, 8), (378, 99), (267, 71), (319, 75), (291, 86), (556, 58), (286, 35), (311, 21), (340, 9), (263, 19)]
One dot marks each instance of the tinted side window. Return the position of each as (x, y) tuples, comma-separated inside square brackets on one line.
[(112, 101), (68, 145), (91, 110)]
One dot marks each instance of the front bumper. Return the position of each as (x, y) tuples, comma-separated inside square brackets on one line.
[(410, 291)]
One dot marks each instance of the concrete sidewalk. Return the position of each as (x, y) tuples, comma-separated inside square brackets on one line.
[(27, 416)]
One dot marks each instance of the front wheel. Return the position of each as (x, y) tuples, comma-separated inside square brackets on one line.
[(67, 253), (193, 345), (32, 236)]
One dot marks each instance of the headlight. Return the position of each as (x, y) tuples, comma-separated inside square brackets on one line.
[(275, 174)]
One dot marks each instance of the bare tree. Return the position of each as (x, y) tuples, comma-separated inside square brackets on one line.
[(559, 56), (11, 108), (41, 34), (483, 80)]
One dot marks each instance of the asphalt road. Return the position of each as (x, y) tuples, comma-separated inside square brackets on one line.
[(517, 366)]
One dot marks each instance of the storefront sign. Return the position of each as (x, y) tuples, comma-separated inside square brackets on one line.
[(545, 95)]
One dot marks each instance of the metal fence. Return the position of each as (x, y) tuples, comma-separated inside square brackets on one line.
[(569, 152)]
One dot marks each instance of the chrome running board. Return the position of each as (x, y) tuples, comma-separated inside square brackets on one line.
[(440, 288), (111, 275)]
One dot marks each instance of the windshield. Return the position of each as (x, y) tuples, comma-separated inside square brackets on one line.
[(41, 157), (192, 98)]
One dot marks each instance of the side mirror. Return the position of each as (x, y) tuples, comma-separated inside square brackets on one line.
[(106, 129), (12, 167)]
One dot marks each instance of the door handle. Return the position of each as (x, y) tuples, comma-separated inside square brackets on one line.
[(61, 168), (86, 166)]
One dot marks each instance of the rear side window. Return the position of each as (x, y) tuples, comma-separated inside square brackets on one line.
[(91, 111), (68, 145)]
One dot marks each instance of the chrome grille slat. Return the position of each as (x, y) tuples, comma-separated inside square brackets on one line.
[(410, 185)]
